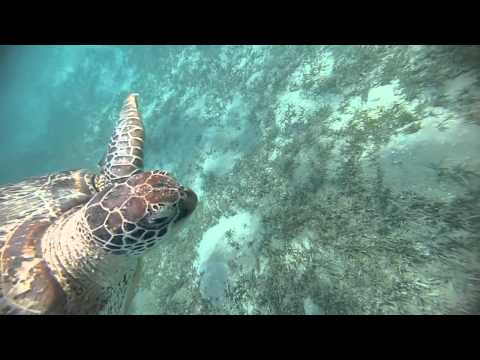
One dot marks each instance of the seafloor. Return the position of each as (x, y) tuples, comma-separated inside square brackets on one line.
[(331, 179)]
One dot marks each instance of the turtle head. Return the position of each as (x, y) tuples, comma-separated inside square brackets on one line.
[(131, 216)]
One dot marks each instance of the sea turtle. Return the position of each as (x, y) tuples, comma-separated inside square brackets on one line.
[(70, 242)]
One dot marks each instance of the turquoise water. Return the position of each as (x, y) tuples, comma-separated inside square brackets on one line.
[(331, 179)]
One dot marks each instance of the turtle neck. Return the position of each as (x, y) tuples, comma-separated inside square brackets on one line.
[(85, 270)]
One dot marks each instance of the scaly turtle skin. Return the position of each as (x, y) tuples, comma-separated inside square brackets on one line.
[(70, 242)]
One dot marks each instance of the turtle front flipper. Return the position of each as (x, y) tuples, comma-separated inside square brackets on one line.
[(124, 156)]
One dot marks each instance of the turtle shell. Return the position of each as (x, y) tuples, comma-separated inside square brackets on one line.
[(27, 209)]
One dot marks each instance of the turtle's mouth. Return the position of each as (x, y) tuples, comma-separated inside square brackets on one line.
[(187, 205)]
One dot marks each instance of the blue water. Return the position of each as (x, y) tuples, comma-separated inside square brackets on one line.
[(331, 179)]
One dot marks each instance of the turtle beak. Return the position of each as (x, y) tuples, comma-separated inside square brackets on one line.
[(188, 204)]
